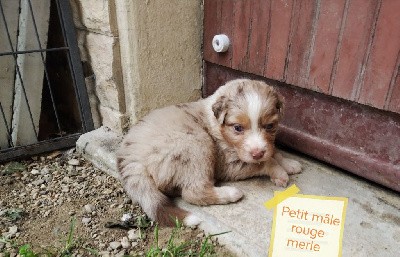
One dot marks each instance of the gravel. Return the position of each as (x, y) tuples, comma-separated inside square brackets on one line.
[(43, 197)]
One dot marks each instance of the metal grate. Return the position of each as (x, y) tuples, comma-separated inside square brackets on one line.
[(43, 99)]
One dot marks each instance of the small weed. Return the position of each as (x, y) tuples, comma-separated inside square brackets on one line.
[(6, 240), (70, 242), (142, 222), (14, 167), (13, 214), (25, 251)]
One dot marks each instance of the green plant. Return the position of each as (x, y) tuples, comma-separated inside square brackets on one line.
[(13, 214), (14, 167), (25, 251), (142, 222), (70, 242)]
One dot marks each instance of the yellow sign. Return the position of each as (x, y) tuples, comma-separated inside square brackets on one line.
[(306, 225)]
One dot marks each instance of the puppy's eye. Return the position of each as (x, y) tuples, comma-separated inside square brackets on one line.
[(238, 128), (269, 126)]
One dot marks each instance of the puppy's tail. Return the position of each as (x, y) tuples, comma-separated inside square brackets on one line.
[(142, 188)]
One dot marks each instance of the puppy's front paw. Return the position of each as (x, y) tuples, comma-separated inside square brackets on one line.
[(291, 166), (281, 180)]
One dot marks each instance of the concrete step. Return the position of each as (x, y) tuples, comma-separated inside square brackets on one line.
[(372, 226)]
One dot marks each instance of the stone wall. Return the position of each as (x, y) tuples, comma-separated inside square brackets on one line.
[(138, 55), (99, 46)]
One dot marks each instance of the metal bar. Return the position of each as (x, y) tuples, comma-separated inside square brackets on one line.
[(37, 148), (35, 51), (17, 68), (45, 68), (68, 28), (10, 143)]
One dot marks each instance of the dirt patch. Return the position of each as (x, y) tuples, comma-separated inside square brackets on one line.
[(44, 197)]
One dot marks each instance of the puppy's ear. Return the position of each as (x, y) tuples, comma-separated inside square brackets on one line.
[(219, 109)]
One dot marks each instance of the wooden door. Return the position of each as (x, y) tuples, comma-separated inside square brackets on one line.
[(337, 64)]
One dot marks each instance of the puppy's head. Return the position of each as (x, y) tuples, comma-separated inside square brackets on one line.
[(248, 113)]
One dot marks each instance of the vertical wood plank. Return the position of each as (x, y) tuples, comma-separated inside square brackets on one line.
[(240, 40), (391, 94), (210, 29), (260, 12), (326, 41), (383, 56), (281, 11), (225, 23), (394, 101), (300, 42), (359, 22)]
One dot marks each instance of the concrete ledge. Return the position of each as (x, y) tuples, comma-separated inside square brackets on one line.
[(373, 215), (99, 146)]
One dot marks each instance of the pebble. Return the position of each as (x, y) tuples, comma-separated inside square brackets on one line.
[(120, 254), (104, 254), (200, 235), (127, 200), (72, 173), (12, 230), (35, 172), (47, 178), (73, 162), (115, 245), (89, 208), (43, 192), (38, 182), (125, 242), (126, 217), (133, 234), (86, 220), (107, 191), (44, 171)]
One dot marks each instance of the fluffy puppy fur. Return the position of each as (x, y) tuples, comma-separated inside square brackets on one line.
[(184, 149)]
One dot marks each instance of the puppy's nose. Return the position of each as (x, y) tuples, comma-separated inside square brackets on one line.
[(257, 154)]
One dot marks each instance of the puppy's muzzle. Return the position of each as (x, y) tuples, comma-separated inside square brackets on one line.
[(257, 154)]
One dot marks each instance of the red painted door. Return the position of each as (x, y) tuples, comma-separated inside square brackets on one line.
[(336, 63)]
